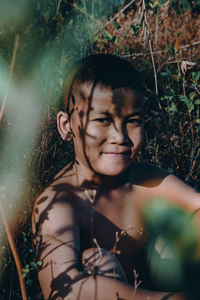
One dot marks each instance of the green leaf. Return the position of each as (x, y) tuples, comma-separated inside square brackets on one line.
[(183, 98), (174, 225), (114, 39), (108, 36), (167, 73), (191, 107), (188, 102), (116, 25), (136, 29), (126, 48), (39, 263), (197, 121), (192, 95), (33, 264), (172, 50), (173, 107), (170, 91), (197, 101), (196, 75)]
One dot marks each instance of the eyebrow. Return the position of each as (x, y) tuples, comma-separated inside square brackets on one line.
[(136, 113)]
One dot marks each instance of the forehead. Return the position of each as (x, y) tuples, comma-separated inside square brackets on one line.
[(118, 100)]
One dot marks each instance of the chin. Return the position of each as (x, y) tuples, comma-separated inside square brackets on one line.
[(112, 171)]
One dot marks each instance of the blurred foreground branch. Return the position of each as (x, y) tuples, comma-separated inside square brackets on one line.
[(2, 212), (16, 44), (14, 252)]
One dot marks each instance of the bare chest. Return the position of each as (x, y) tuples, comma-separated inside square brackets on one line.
[(114, 223)]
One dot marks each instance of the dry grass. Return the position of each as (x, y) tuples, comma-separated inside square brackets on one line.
[(170, 135)]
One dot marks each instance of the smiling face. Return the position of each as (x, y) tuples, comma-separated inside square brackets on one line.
[(107, 129)]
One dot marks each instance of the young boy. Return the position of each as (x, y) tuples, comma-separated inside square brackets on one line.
[(87, 224)]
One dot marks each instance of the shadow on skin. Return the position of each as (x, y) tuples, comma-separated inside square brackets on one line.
[(61, 285)]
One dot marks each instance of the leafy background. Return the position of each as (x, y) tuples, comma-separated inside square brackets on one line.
[(161, 38)]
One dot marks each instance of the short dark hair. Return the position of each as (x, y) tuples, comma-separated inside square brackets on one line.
[(106, 70)]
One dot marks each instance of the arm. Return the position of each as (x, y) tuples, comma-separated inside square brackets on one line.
[(181, 195), (56, 240)]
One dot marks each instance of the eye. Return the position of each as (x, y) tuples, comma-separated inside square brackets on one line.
[(134, 122), (104, 121)]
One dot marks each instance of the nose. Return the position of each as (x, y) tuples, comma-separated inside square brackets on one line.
[(118, 135)]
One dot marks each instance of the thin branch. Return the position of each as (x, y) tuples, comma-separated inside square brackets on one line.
[(151, 49), (117, 15), (58, 6), (82, 11), (189, 45), (14, 252), (160, 51), (16, 44)]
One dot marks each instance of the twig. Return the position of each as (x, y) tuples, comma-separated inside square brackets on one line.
[(151, 49), (168, 62), (117, 15), (189, 45), (197, 90), (160, 51), (136, 282), (58, 6), (82, 11), (143, 53), (153, 64), (14, 252), (16, 44), (98, 247)]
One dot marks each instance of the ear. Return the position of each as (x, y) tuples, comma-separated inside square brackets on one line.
[(63, 126)]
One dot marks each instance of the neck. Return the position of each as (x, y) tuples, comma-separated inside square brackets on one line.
[(88, 179)]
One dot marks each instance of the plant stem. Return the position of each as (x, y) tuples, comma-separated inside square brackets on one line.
[(116, 16), (151, 50), (14, 251)]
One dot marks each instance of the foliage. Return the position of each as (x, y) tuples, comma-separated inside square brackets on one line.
[(173, 233), (55, 33)]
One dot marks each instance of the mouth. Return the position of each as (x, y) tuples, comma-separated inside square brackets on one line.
[(124, 154)]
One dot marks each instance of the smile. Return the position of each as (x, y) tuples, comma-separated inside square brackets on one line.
[(117, 154)]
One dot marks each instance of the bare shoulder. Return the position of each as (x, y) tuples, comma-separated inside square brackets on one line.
[(57, 192), (53, 207), (55, 233), (146, 174), (154, 181)]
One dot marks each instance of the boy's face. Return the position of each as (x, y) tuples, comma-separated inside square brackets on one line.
[(107, 129)]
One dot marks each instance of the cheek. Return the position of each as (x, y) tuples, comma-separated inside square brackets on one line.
[(94, 139), (95, 135), (94, 130), (136, 136)]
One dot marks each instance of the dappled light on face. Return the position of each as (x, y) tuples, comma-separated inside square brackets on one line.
[(123, 97), (106, 132)]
